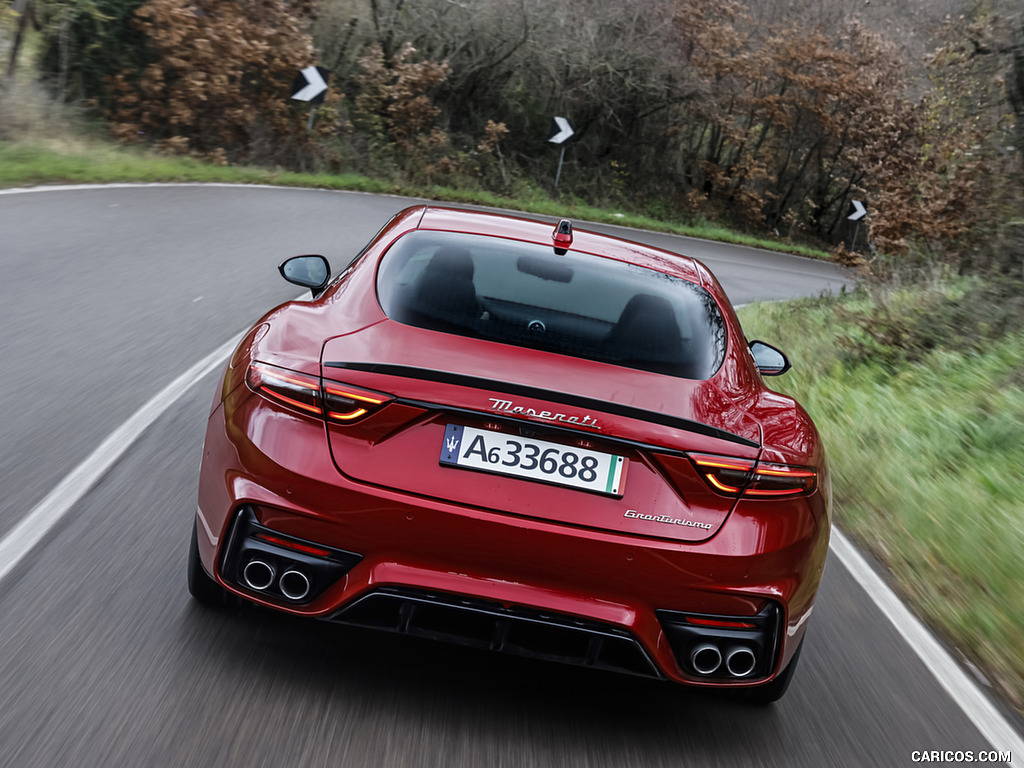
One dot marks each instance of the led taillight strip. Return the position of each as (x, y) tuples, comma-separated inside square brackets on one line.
[(342, 403), (720, 486), (296, 390), (314, 409), (776, 492), (362, 397), (742, 477), (798, 480), (740, 465)]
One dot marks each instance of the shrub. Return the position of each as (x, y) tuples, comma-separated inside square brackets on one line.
[(893, 327), (219, 78)]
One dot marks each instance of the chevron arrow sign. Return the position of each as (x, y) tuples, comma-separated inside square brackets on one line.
[(310, 85), (857, 211)]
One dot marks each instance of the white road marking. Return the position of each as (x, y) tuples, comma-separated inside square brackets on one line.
[(136, 185), (223, 185), (20, 541), (964, 691), (48, 512), (183, 185)]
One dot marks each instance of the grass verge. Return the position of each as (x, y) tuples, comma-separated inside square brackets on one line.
[(28, 163), (926, 461)]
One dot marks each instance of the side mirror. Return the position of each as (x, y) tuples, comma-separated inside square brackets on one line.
[(310, 271), (769, 360)]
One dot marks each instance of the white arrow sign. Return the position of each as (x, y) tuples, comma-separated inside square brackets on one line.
[(858, 211), (315, 85), (564, 131)]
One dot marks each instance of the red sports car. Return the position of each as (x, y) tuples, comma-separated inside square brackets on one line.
[(536, 440)]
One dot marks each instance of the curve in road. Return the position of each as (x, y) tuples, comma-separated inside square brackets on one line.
[(105, 298)]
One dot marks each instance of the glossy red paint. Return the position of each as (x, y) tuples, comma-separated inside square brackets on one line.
[(373, 485)]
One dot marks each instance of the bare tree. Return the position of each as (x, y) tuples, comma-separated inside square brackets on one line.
[(25, 13)]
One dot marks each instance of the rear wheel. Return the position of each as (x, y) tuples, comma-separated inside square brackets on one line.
[(200, 584), (776, 689)]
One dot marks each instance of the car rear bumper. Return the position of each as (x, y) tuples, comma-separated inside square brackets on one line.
[(509, 582)]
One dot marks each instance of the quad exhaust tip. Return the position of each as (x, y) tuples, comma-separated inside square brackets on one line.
[(294, 584), (258, 575), (706, 659), (740, 661)]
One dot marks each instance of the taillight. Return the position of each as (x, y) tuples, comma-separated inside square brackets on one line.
[(782, 480), (345, 403), (333, 400), (726, 475), (752, 479), (295, 390)]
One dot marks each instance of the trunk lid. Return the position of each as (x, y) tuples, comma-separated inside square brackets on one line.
[(526, 432)]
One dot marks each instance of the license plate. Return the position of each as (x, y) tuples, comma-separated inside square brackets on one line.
[(530, 459)]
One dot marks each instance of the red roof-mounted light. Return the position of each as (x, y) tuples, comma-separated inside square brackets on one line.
[(563, 234)]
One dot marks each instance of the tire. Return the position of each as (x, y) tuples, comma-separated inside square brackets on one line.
[(771, 692), (201, 585)]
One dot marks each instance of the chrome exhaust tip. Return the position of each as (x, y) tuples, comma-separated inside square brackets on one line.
[(258, 575), (740, 661), (706, 659), (294, 584)]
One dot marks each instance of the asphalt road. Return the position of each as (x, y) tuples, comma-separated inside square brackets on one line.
[(108, 295)]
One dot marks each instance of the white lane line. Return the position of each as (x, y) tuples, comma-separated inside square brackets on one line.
[(48, 512), (964, 691), (147, 184), (193, 184)]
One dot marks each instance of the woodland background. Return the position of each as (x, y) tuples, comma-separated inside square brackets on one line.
[(768, 116)]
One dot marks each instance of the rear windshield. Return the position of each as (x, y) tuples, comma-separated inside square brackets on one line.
[(573, 304)]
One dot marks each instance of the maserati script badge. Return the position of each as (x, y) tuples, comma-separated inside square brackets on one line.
[(509, 407)]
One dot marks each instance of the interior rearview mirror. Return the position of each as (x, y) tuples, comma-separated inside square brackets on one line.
[(769, 360), (310, 271)]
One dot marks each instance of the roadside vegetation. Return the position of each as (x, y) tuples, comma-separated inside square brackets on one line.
[(755, 122), (69, 160), (919, 395)]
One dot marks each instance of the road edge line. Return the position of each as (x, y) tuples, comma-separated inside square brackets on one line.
[(985, 716), (24, 537)]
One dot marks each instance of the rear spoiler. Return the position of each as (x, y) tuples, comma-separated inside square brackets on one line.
[(490, 385)]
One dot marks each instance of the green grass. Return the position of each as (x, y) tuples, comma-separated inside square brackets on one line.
[(56, 161), (927, 472), (25, 164)]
